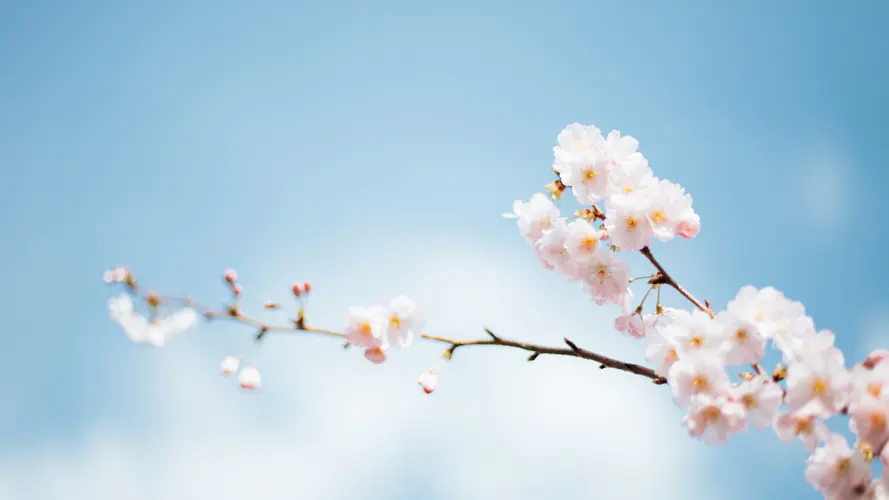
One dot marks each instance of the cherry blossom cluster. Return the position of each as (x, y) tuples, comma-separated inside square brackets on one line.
[(696, 351), (639, 207), (378, 329)]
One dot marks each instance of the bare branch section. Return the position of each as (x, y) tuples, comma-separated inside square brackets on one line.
[(536, 350)]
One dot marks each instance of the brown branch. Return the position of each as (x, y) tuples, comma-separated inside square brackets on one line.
[(537, 350), (668, 280)]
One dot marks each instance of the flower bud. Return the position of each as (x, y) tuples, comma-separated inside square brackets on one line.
[(271, 305), (237, 289), (876, 357), (229, 365), (375, 354), (428, 381), (307, 286), (298, 289), (231, 276), (689, 226), (249, 378)]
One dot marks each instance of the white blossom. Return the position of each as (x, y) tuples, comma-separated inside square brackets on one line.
[(699, 372), (760, 399), (534, 216), (802, 424), (741, 342), (836, 470), (365, 326), (607, 278), (627, 223), (667, 204), (713, 418), (819, 382), (403, 321)]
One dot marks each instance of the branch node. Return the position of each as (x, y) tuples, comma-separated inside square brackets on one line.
[(659, 279)]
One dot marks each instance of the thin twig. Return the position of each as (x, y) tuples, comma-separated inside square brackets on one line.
[(573, 350)]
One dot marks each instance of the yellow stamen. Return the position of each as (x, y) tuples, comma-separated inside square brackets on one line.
[(658, 217), (819, 386), (712, 414), (364, 329), (749, 401), (632, 223), (700, 383)]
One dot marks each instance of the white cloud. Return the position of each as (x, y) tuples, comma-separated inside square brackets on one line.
[(331, 425)]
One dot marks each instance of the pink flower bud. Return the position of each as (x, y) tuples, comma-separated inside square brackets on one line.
[(298, 289), (231, 276), (375, 354), (237, 289), (307, 286), (229, 365), (270, 305), (876, 357), (249, 378), (689, 226), (428, 381)]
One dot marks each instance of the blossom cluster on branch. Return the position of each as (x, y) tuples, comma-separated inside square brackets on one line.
[(711, 360)]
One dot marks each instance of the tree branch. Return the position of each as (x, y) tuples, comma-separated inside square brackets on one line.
[(573, 351), (234, 313)]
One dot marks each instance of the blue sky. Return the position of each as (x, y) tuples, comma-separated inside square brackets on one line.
[(372, 150)]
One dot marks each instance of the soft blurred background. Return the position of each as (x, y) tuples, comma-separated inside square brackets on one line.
[(371, 147)]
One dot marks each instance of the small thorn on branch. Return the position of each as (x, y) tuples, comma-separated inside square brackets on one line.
[(489, 332), (602, 367), (572, 345), (533, 356), (262, 331)]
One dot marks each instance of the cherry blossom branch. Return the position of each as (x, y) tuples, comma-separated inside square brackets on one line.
[(669, 281), (573, 350), (234, 313)]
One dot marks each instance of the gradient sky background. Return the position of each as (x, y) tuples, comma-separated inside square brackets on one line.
[(372, 150)]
